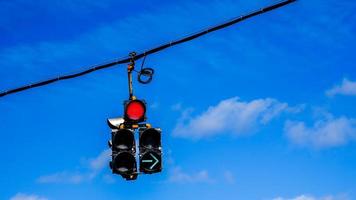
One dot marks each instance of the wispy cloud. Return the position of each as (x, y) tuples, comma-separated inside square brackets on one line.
[(52, 57), (310, 197), (21, 196), (96, 165), (347, 87), (110, 39), (65, 177), (176, 107), (231, 115), (229, 177), (324, 133), (50, 8), (177, 175)]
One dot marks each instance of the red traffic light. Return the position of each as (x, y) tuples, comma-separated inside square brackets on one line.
[(135, 110)]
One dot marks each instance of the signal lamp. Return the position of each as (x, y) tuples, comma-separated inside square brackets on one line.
[(123, 154), (150, 138), (124, 163), (135, 111), (123, 140), (150, 150)]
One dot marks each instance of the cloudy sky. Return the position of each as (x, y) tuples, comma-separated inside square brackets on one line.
[(264, 110)]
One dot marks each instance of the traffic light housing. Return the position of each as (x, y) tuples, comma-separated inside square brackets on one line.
[(150, 150), (123, 145), (123, 153)]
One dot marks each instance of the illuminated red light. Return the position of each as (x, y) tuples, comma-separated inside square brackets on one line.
[(135, 110)]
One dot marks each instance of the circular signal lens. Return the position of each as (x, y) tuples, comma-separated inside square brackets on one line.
[(124, 163), (150, 138), (123, 140), (135, 110)]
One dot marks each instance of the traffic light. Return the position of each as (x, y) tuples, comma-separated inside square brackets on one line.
[(150, 150), (123, 145), (135, 111), (123, 151), (122, 141)]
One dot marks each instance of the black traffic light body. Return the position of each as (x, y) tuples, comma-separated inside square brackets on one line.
[(123, 144), (150, 150), (124, 153)]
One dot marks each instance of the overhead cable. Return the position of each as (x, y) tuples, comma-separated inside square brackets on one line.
[(151, 51)]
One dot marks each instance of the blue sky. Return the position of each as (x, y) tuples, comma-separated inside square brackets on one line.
[(263, 110)]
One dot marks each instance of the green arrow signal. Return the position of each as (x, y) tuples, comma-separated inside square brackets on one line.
[(150, 161), (156, 161)]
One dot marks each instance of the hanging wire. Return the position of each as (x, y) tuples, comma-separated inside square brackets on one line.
[(143, 62), (145, 75), (147, 71)]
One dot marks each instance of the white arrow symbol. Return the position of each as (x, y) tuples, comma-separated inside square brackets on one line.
[(149, 161), (156, 161)]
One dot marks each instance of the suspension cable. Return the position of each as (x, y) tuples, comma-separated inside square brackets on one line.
[(151, 51)]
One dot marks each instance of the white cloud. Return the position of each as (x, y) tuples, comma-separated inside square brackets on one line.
[(21, 196), (301, 197), (231, 115), (347, 87), (309, 197), (329, 132), (178, 176), (64, 56), (64, 177), (229, 177), (154, 105), (176, 107), (108, 178), (96, 165)]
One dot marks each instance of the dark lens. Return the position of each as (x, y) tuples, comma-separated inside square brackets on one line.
[(123, 140)]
